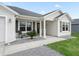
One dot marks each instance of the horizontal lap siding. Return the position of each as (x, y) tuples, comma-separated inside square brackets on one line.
[(2, 29), (51, 28), (75, 28), (10, 25), (64, 33)]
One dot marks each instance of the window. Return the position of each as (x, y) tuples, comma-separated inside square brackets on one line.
[(64, 26), (16, 25), (22, 26), (67, 26), (29, 26)]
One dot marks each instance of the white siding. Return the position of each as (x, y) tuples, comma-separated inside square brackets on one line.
[(11, 29), (64, 33), (2, 29), (10, 26), (51, 28), (4, 11), (52, 15), (53, 25)]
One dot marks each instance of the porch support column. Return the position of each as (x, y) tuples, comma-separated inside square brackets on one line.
[(40, 28), (32, 25), (18, 25), (36, 26), (44, 31), (26, 27)]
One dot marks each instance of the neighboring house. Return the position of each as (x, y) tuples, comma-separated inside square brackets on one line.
[(13, 19), (75, 25)]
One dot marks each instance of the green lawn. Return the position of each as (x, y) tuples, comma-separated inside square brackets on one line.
[(68, 47)]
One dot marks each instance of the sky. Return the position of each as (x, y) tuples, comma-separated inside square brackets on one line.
[(72, 8)]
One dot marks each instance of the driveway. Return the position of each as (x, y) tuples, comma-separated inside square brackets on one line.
[(39, 51)]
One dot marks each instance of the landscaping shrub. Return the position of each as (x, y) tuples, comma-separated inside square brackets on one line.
[(32, 34)]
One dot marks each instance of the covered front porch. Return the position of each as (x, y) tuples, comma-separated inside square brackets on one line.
[(28, 23)]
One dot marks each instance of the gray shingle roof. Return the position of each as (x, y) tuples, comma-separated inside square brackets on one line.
[(49, 12), (60, 15), (52, 12), (75, 21), (24, 12)]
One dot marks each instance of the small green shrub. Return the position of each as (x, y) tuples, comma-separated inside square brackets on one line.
[(32, 34), (20, 34)]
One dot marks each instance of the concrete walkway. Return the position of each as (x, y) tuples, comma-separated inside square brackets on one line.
[(14, 48), (39, 51)]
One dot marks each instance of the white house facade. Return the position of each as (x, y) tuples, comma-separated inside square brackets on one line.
[(14, 19)]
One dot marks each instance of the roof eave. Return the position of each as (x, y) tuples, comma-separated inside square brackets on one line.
[(65, 15), (52, 12), (16, 13)]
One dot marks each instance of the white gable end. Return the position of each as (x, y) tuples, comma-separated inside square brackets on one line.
[(4, 11), (64, 18), (10, 27), (52, 15)]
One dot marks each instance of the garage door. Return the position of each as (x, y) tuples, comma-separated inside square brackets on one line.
[(2, 35), (2, 29)]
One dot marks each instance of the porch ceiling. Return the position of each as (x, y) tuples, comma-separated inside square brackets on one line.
[(29, 18)]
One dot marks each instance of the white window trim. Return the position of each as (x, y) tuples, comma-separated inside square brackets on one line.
[(25, 26), (9, 9), (61, 26)]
